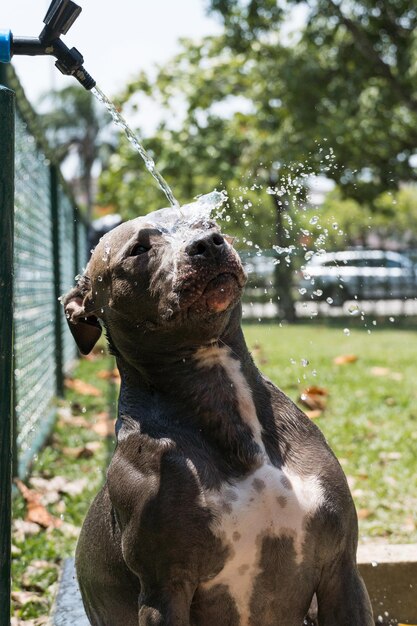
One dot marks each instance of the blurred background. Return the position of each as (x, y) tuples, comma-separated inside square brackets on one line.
[(304, 112)]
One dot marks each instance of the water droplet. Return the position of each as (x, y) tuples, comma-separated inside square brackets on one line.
[(304, 362), (354, 309), (346, 331), (374, 563), (314, 219), (329, 300), (100, 279)]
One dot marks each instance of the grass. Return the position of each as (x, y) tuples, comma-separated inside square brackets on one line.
[(37, 557), (371, 417), (370, 422)]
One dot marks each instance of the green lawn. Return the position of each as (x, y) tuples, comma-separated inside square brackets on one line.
[(370, 422), (371, 417)]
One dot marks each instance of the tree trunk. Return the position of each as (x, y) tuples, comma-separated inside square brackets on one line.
[(283, 271)]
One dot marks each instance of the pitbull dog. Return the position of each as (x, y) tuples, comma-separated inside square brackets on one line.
[(223, 505)]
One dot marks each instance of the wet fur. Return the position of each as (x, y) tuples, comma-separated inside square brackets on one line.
[(209, 454)]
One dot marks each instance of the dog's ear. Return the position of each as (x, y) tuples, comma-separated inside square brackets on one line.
[(83, 324)]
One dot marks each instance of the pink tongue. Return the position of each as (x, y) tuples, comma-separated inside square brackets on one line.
[(220, 294)]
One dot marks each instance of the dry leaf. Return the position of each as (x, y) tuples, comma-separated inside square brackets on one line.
[(20, 598), (15, 550), (344, 359), (30, 577), (112, 375), (83, 452), (80, 386), (314, 398), (258, 354), (36, 512), (103, 425), (385, 371), (58, 484), (21, 528), (313, 414)]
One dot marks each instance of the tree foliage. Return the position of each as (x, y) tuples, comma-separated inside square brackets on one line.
[(351, 77), (74, 123), (256, 112)]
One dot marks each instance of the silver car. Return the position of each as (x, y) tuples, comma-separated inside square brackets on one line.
[(362, 274)]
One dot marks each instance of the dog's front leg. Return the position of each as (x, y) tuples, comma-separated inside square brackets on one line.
[(342, 596), (167, 605)]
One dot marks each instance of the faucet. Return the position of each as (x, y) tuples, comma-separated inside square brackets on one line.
[(58, 20)]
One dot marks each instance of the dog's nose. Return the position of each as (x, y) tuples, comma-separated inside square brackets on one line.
[(206, 246)]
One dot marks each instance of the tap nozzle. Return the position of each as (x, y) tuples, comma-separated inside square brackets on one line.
[(58, 20)]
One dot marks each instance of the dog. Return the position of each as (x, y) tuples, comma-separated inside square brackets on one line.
[(223, 503)]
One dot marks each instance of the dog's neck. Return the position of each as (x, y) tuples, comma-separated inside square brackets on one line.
[(208, 387)]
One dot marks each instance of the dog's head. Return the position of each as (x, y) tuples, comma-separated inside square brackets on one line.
[(157, 273)]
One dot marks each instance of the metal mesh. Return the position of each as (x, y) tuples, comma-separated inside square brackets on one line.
[(36, 342), (34, 300), (67, 269)]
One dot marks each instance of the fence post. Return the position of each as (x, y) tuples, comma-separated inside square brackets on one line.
[(76, 247), (6, 334), (59, 361)]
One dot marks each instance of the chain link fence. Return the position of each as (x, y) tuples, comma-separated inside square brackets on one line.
[(50, 247)]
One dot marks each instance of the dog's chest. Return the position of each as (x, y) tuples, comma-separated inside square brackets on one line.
[(271, 503)]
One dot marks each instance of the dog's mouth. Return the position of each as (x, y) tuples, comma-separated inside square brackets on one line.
[(221, 292), (214, 295)]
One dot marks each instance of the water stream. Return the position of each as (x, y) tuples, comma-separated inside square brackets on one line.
[(148, 160)]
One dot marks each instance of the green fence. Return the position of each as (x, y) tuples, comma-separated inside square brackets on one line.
[(50, 247)]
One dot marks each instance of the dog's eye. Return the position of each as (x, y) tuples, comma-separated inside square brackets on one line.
[(138, 249)]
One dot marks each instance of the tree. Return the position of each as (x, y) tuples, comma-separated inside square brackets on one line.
[(75, 123), (262, 113), (351, 78)]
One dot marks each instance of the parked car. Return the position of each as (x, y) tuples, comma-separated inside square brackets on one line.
[(260, 271), (364, 274)]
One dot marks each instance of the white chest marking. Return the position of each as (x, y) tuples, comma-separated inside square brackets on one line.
[(270, 502), (209, 357)]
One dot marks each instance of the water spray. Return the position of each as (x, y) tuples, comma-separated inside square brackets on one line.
[(59, 18)]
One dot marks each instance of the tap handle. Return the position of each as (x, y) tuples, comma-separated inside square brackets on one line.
[(60, 16)]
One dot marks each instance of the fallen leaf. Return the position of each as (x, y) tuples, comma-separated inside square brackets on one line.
[(24, 597), (43, 620), (364, 513), (111, 375), (258, 354), (39, 575), (80, 386), (83, 452), (386, 372), (76, 420), (103, 425), (58, 484), (36, 512), (313, 414), (344, 359), (21, 528), (409, 525), (314, 398)]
